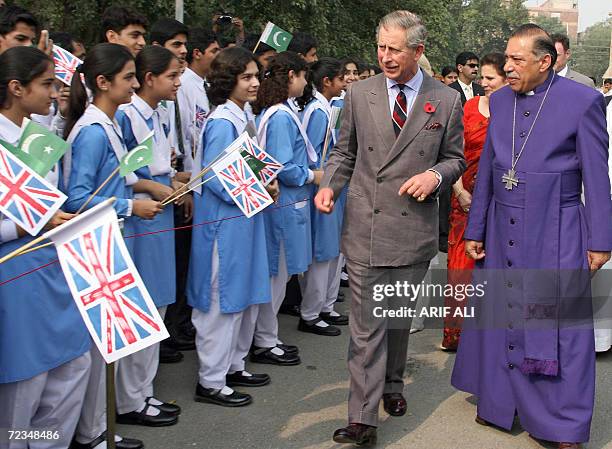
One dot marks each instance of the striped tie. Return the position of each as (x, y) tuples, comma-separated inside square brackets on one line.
[(399, 110)]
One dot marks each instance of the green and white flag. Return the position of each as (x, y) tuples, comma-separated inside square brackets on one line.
[(276, 37), (38, 147), (137, 157), (336, 117)]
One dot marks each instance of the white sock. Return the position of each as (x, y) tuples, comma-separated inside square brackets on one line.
[(154, 401), (321, 323), (246, 374), (277, 351), (226, 390)]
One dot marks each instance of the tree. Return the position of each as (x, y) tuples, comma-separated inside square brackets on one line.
[(550, 24), (592, 54)]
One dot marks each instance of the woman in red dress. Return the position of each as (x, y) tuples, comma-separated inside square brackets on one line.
[(475, 122)]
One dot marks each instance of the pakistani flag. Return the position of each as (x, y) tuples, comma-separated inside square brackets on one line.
[(138, 156), (336, 117), (275, 37), (255, 164), (38, 147)]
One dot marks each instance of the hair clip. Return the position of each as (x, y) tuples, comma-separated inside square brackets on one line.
[(267, 74)]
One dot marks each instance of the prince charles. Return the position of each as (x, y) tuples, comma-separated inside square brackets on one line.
[(401, 141)]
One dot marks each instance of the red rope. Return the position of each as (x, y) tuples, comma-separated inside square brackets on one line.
[(179, 228)]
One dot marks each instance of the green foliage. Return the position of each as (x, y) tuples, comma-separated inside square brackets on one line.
[(592, 55), (343, 28), (550, 24)]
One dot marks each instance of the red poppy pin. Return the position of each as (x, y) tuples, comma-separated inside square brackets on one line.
[(429, 108)]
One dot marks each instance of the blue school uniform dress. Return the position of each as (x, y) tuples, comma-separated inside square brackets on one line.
[(280, 133), (97, 147), (241, 241), (338, 102), (40, 325), (153, 253), (326, 228)]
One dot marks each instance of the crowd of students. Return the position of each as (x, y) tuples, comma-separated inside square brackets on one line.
[(220, 285)]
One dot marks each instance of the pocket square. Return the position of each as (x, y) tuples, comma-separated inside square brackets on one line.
[(434, 125)]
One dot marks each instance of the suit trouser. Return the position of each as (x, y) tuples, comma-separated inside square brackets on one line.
[(319, 289), (378, 348), (266, 330), (50, 401), (134, 376), (222, 339)]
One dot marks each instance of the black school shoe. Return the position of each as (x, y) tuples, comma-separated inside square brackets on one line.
[(171, 409), (312, 328), (240, 379), (142, 419), (213, 396), (125, 443), (265, 355), (340, 320)]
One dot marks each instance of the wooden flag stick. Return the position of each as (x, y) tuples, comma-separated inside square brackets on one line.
[(325, 145), (18, 251), (205, 170), (91, 197), (193, 187), (44, 245), (256, 46), (110, 406)]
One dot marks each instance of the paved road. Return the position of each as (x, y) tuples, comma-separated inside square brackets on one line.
[(303, 405)]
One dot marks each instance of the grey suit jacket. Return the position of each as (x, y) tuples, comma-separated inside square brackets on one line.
[(380, 227), (579, 78)]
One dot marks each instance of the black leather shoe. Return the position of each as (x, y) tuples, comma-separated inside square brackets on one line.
[(167, 354), (265, 355), (182, 343), (358, 434), (289, 349), (125, 443), (142, 419), (293, 310), (312, 328), (171, 409), (239, 379), (394, 404), (340, 320), (212, 396)]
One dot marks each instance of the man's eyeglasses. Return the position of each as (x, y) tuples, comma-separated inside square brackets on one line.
[(473, 66)]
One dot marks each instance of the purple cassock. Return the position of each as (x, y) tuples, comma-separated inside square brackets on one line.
[(523, 354)]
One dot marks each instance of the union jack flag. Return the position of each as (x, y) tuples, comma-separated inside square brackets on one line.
[(65, 64), (113, 301), (242, 185), (25, 197), (267, 174), (200, 117)]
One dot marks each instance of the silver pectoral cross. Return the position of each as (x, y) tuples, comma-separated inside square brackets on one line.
[(510, 179)]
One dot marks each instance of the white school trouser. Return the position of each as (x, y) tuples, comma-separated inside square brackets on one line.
[(92, 421), (266, 330), (134, 376), (50, 401), (317, 285), (222, 339)]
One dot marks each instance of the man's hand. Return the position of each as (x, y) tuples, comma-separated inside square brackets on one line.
[(597, 259), (59, 218), (420, 186), (474, 249), (324, 200)]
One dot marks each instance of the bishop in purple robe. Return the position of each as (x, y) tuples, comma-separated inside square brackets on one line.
[(528, 229)]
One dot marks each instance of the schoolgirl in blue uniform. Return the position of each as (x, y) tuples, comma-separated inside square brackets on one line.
[(321, 282), (44, 344), (229, 276), (288, 234), (97, 148), (158, 73)]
